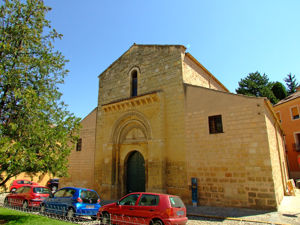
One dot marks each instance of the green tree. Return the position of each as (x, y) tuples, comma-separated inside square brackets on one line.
[(279, 90), (291, 83), (37, 131), (257, 85)]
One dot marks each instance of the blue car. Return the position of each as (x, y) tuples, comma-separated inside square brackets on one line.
[(71, 202)]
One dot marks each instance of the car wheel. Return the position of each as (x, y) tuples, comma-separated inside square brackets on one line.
[(70, 214), (5, 202), (105, 218), (42, 209), (25, 205), (157, 222), (94, 217), (13, 190)]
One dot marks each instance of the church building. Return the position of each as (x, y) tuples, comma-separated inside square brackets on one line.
[(163, 120)]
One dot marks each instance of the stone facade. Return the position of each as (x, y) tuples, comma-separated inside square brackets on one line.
[(167, 123)]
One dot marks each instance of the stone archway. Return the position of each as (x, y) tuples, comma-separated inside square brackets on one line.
[(135, 173), (130, 137)]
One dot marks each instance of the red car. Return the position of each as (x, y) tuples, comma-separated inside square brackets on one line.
[(20, 183), (27, 196), (145, 208)]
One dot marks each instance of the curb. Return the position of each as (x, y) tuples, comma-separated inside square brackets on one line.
[(235, 219)]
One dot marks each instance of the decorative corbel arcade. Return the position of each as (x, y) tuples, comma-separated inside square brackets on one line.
[(126, 104)]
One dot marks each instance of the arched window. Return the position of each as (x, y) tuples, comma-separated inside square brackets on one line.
[(134, 83)]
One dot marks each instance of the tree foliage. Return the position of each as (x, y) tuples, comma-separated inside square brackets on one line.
[(257, 85), (291, 83), (37, 131), (279, 90)]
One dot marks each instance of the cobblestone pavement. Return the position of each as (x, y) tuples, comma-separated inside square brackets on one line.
[(210, 221)]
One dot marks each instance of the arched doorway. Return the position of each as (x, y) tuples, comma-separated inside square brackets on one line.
[(135, 179)]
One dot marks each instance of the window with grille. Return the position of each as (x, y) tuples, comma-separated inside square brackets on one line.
[(295, 112), (278, 116), (215, 124), (78, 145)]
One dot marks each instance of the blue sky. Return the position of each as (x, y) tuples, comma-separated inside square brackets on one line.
[(230, 38)]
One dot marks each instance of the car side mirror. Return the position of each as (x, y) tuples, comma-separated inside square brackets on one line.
[(117, 203)]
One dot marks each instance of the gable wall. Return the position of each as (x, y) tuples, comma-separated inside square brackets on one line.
[(160, 72), (195, 75)]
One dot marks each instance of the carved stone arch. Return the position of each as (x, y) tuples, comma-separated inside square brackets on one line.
[(129, 121), (137, 68)]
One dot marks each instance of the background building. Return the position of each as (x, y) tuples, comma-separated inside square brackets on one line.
[(163, 119), (288, 111)]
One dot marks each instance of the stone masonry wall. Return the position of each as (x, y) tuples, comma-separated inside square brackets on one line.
[(195, 75), (278, 162), (81, 163), (234, 167)]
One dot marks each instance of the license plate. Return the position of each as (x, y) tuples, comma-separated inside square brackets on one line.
[(180, 213), (90, 207)]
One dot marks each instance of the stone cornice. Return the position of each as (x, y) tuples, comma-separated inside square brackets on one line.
[(131, 102)]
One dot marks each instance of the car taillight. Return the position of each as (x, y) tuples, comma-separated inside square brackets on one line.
[(49, 183), (170, 212), (79, 200), (98, 201)]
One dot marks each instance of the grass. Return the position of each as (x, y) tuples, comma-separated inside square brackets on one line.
[(12, 217)]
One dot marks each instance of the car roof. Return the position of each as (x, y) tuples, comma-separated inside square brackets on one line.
[(78, 188), (152, 193), (30, 185)]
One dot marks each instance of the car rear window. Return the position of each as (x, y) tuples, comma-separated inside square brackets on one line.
[(89, 196), (41, 190), (176, 202), (23, 182)]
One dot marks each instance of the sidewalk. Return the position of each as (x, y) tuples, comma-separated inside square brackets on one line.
[(288, 212)]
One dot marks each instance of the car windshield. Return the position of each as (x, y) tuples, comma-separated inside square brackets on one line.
[(89, 196), (41, 190), (176, 202)]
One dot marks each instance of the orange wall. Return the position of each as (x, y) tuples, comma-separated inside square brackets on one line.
[(290, 128)]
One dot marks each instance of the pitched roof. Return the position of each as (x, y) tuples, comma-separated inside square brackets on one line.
[(289, 98)]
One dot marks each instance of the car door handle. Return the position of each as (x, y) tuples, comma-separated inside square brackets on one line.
[(151, 210), (131, 208)]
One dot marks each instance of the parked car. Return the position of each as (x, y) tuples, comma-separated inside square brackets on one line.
[(20, 183), (53, 184), (27, 196), (72, 201), (145, 208)]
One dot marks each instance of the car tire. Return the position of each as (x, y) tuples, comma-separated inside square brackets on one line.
[(70, 214), (157, 222), (13, 190), (42, 209), (94, 217), (105, 218), (25, 205), (6, 202)]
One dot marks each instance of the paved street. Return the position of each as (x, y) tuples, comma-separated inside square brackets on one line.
[(288, 214)]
